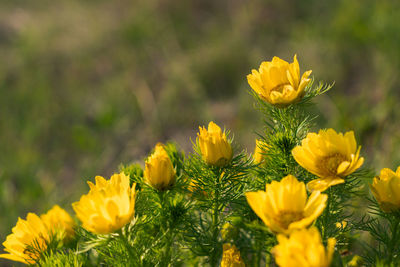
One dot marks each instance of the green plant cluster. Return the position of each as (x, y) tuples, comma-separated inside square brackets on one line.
[(188, 224)]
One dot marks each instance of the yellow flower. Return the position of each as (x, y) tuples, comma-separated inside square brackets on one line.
[(278, 82), (215, 148), (284, 206), (386, 189), (159, 171), (28, 238), (59, 222), (109, 205), (231, 257), (259, 151), (329, 155), (303, 248)]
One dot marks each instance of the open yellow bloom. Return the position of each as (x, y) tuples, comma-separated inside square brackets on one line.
[(329, 155), (109, 205), (159, 171), (386, 189), (278, 82), (31, 232), (59, 222), (284, 206), (214, 146), (231, 257), (259, 152), (303, 248)]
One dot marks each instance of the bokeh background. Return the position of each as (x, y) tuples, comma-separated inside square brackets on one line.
[(87, 85)]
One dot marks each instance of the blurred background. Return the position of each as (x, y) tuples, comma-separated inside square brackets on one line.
[(87, 85)]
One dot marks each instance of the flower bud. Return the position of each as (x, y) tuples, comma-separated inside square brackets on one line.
[(386, 189), (260, 151), (231, 257), (159, 171), (214, 146)]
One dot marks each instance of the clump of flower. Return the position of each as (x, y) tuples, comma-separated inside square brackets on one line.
[(278, 82), (214, 146), (284, 206), (159, 171), (30, 237), (109, 205), (386, 189), (303, 248), (329, 155)]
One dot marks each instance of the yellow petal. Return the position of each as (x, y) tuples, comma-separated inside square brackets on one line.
[(323, 184)]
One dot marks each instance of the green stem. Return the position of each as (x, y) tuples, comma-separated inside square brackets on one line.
[(167, 252), (166, 229), (327, 213), (392, 245), (215, 219), (258, 254), (127, 246)]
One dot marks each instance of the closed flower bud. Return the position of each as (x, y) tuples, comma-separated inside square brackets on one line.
[(386, 189), (278, 82), (214, 146), (231, 257), (159, 171), (260, 151)]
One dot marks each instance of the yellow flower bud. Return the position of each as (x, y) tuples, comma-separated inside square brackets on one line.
[(214, 146), (159, 171), (278, 82), (109, 205), (259, 152), (386, 189), (59, 223), (303, 248), (231, 257)]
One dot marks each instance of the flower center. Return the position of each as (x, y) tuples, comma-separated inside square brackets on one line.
[(279, 88), (285, 218), (331, 163)]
